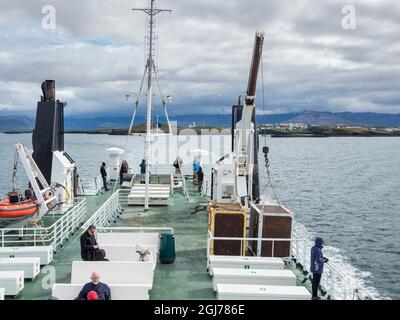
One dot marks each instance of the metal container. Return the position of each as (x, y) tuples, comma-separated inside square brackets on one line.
[(274, 222), (227, 220)]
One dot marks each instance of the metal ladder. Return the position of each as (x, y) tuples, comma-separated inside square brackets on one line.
[(181, 177)]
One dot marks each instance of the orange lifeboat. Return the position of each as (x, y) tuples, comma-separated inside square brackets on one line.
[(17, 210)]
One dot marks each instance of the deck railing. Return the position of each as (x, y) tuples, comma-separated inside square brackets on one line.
[(335, 282), (53, 235), (106, 214)]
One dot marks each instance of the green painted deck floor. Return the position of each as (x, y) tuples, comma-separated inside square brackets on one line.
[(185, 279)]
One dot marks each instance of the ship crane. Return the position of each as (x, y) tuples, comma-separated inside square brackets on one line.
[(245, 137), (44, 193), (235, 176)]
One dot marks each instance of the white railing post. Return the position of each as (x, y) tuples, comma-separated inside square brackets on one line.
[(332, 283), (273, 248), (208, 249)]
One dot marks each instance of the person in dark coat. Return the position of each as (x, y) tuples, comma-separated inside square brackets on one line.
[(124, 169), (89, 244), (317, 265), (143, 167), (103, 172), (200, 179), (103, 291)]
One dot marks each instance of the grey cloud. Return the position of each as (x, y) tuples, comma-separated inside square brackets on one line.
[(205, 46)]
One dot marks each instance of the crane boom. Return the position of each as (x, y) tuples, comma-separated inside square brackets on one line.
[(245, 153)]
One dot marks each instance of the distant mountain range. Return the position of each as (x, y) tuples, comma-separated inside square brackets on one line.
[(16, 123), (23, 123)]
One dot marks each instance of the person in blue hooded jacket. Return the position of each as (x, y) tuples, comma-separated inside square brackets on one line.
[(317, 265)]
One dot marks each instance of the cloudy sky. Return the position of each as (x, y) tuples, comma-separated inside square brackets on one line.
[(312, 60)]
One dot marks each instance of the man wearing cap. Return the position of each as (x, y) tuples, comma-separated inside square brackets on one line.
[(95, 290), (89, 245), (143, 252)]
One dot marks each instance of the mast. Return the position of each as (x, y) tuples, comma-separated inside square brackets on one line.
[(150, 67)]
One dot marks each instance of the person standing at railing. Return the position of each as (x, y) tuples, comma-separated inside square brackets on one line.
[(124, 170), (317, 266), (143, 166), (103, 172), (196, 168), (200, 179)]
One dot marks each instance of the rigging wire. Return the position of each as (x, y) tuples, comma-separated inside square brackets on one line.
[(269, 183)]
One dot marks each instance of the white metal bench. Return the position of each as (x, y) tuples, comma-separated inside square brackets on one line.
[(12, 282), (44, 253), (258, 292), (128, 238), (128, 253), (114, 272), (118, 291), (30, 266), (2, 290), (240, 262), (253, 276)]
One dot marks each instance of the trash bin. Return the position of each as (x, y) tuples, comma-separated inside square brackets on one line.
[(167, 247)]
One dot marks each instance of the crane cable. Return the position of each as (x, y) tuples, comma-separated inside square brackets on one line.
[(270, 180), (265, 141)]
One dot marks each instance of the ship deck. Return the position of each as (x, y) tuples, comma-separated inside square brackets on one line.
[(186, 279)]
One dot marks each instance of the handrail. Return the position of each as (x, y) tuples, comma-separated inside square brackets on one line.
[(53, 235), (108, 212), (339, 284)]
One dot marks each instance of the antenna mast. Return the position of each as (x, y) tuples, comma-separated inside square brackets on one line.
[(150, 67)]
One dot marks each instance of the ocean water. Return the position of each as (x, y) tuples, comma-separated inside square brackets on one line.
[(346, 190)]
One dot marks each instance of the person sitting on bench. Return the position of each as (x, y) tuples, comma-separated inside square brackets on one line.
[(143, 252), (89, 246), (103, 291)]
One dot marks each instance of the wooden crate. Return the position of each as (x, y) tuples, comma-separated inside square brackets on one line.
[(227, 220), (271, 221)]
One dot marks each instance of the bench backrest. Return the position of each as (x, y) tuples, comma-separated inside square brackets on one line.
[(118, 292), (44, 253), (128, 238), (114, 272)]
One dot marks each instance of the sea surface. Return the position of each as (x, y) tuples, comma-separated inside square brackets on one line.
[(346, 190)]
